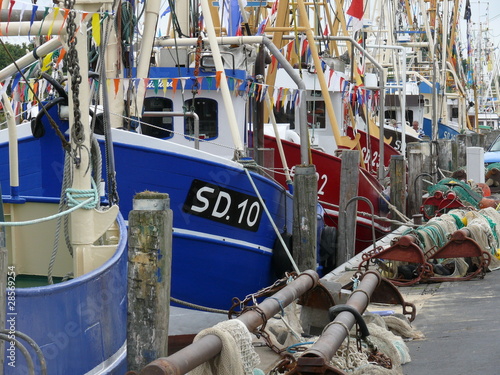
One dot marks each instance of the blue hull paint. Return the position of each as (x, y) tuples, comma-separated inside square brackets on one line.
[(78, 324), (206, 271), (444, 131), (207, 255)]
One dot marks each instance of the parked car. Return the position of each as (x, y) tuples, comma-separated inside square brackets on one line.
[(492, 154)]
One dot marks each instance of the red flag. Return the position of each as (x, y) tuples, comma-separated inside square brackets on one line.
[(356, 9)]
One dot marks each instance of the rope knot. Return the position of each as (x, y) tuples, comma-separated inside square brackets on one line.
[(87, 199)]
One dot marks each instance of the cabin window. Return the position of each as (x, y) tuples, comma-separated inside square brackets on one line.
[(427, 106), (316, 113), (158, 126), (285, 115), (208, 114)]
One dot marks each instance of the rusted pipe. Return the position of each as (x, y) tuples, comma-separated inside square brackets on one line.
[(331, 339), (209, 346)]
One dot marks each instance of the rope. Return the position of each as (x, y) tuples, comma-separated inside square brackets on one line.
[(198, 307), (295, 268), (86, 204)]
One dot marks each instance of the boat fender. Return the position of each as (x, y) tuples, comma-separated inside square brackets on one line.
[(327, 249), (280, 261)]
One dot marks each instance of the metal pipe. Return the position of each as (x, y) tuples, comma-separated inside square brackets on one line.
[(13, 147), (367, 201), (180, 114), (330, 340), (30, 58), (209, 346)]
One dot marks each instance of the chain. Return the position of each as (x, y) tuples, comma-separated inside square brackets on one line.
[(197, 62), (77, 134)]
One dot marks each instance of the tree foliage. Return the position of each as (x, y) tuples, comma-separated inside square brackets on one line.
[(15, 50)]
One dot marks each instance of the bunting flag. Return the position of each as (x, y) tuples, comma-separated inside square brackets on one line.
[(164, 82), (262, 26), (12, 2), (217, 79), (33, 14), (304, 44), (56, 12), (47, 62), (96, 28), (174, 84), (117, 85), (356, 11), (23, 8), (66, 13), (289, 49)]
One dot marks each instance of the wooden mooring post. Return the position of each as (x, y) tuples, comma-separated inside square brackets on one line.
[(397, 170), (305, 200), (349, 180), (149, 273), (414, 178)]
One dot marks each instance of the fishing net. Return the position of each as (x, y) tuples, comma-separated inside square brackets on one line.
[(237, 357), (465, 193)]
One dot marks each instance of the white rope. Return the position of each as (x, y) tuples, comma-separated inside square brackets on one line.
[(272, 223)]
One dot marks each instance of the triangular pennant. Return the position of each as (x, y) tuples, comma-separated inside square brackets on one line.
[(174, 84), (66, 13), (117, 85), (200, 81), (156, 84), (96, 28), (12, 2), (45, 14), (218, 75), (210, 81), (46, 62), (23, 8), (183, 84), (56, 12), (164, 82), (33, 14), (61, 56)]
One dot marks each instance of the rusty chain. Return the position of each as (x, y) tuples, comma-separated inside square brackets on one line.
[(77, 132)]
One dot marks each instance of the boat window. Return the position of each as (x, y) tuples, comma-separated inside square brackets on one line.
[(316, 114), (285, 115), (427, 106), (208, 114), (158, 126)]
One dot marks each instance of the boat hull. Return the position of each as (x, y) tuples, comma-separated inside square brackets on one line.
[(79, 325), (328, 168), (213, 250)]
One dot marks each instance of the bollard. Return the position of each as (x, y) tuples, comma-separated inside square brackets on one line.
[(317, 358), (149, 271)]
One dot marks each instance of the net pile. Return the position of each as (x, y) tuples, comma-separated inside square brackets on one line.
[(237, 357)]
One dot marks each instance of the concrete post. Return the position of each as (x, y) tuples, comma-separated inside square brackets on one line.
[(149, 273)]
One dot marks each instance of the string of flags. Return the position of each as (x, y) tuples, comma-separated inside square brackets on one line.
[(51, 14)]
